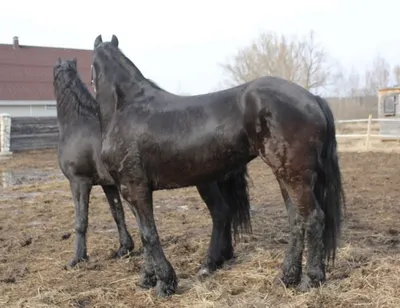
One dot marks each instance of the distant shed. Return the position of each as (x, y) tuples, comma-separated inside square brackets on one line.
[(388, 107)]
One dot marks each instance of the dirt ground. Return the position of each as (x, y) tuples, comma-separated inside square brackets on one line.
[(36, 240)]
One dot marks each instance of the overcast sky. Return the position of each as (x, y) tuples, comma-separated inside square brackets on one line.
[(179, 43)]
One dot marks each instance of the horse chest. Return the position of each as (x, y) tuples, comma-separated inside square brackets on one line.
[(109, 152)]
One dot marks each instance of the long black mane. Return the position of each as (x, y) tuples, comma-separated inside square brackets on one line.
[(73, 97)]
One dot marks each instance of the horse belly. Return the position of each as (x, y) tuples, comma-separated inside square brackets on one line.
[(197, 165)]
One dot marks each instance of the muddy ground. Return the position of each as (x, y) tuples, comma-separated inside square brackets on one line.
[(36, 240)]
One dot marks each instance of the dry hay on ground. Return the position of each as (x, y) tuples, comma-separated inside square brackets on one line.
[(36, 240)]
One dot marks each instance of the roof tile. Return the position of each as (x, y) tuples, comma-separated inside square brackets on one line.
[(26, 72)]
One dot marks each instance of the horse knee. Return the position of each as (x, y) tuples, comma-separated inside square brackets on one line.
[(81, 225)]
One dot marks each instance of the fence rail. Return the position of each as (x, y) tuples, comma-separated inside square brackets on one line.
[(20, 134), (368, 134), (33, 133)]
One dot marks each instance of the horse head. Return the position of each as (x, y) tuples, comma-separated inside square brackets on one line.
[(64, 71), (95, 78), (110, 67)]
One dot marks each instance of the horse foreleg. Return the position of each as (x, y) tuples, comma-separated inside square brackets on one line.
[(220, 246), (139, 198), (117, 211), (80, 189)]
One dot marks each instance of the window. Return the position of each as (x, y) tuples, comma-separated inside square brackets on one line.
[(389, 105), (50, 107)]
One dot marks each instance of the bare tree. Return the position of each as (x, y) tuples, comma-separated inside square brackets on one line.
[(377, 76), (396, 74), (300, 60), (348, 84)]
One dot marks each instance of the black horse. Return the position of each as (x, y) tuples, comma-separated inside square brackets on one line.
[(156, 140), (79, 155), (79, 158)]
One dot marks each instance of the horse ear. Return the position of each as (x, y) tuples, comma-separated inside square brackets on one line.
[(114, 40), (98, 41), (58, 61), (75, 61)]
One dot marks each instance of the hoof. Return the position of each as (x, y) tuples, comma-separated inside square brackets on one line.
[(166, 289), (306, 284), (278, 280), (123, 252), (208, 267), (287, 281), (203, 273), (75, 261), (148, 281)]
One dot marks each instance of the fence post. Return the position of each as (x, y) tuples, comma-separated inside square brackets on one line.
[(6, 179), (368, 132), (5, 132)]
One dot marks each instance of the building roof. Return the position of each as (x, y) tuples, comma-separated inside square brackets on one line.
[(26, 72)]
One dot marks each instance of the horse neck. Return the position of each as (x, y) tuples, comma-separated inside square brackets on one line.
[(136, 93), (106, 113), (74, 105)]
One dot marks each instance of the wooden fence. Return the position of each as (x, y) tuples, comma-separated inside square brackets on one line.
[(368, 134), (33, 133)]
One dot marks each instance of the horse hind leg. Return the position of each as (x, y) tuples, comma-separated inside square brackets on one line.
[(306, 218), (314, 274), (80, 189), (315, 268), (117, 211), (292, 263), (229, 206), (220, 246)]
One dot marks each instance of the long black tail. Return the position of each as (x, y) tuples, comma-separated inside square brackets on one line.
[(234, 188), (328, 189)]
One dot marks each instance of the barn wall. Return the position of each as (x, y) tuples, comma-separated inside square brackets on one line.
[(33, 133), (29, 108)]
